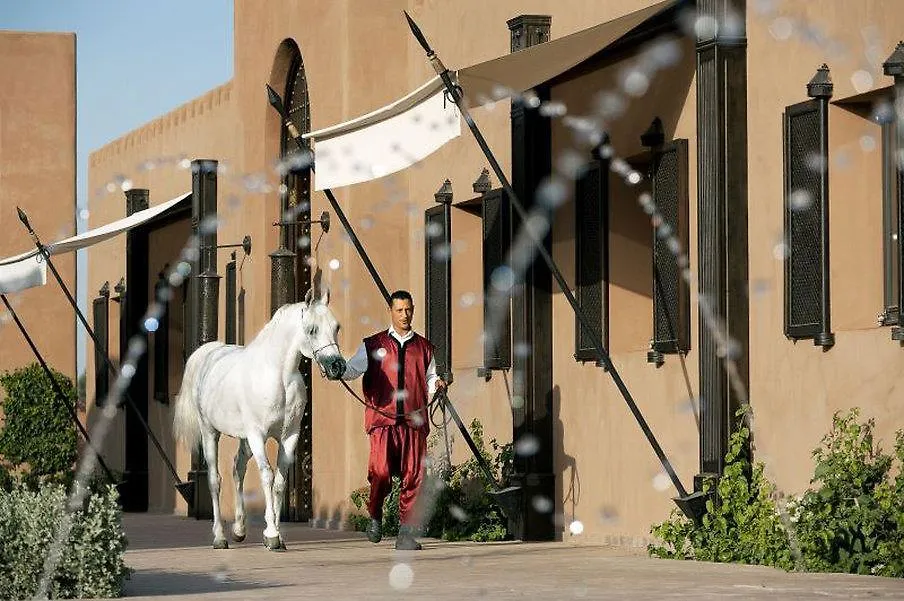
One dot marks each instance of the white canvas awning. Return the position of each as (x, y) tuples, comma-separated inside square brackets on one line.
[(408, 130), (387, 140), (29, 269)]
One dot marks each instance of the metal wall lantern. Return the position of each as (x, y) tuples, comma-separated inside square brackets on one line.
[(324, 222)]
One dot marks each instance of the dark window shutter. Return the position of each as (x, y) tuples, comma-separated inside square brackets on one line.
[(671, 295), (161, 353), (101, 310), (806, 220), (230, 303), (497, 228), (438, 280), (591, 200)]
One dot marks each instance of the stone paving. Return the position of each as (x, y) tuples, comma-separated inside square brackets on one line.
[(172, 559)]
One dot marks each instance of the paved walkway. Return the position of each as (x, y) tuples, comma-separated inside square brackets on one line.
[(173, 560)]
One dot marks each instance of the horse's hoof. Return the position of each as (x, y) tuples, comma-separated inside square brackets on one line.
[(221, 544), (274, 543), (238, 537)]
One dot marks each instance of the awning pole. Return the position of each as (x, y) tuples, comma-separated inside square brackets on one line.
[(181, 486), (58, 392), (456, 94)]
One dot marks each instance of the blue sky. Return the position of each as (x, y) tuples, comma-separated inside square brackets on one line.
[(135, 59)]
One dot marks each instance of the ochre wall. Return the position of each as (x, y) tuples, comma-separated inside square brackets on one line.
[(37, 173), (795, 388)]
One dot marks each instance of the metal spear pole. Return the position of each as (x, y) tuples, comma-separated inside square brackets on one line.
[(184, 488), (455, 93), (58, 392)]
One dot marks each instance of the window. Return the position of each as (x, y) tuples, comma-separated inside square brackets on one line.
[(806, 207), (101, 310), (161, 348), (438, 282), (497, 223), (890, 225), (671, 295), (230, 302), (591, 208)]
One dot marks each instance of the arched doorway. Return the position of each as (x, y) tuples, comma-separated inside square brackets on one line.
[(291, 272)]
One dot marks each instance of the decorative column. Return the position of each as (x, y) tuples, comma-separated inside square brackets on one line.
[(722, 221), (204, 289), (894, 67), (532, 307)]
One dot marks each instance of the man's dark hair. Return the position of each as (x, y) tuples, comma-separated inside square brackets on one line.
[(401, 295)]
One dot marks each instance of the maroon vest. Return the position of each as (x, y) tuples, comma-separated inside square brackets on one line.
[(396, 380)]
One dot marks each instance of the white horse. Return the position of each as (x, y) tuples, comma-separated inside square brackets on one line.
[(252, 393)]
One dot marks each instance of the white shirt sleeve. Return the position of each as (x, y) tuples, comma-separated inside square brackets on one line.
[(356, 365), (432, 377)]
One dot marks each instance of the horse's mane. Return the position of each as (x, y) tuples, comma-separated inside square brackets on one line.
[(282, 314)]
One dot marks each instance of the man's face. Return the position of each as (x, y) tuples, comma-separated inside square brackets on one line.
[(401, 312)]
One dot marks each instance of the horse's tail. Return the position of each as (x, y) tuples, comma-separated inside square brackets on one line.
[(187, 414)]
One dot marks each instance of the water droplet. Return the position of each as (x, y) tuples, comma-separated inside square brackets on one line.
[(442, 252), (184, 164), (542, 504), (151, 324), (867, 143), (800, 200), (552, 191), (334, 264), (458, 513), (304, 241), (220, 574), (862, 81), (365, 319), (502, 278), (527, 445), (780, 251), (379, 354), (705, 27), (84, 214), (608, 515), (634, 177), (816, 161), (661, 482), (781, 28), (128, 370), (553, 109), (467, 300), (208, 225), (517, 401), (576, 528), (636, 83), (522, 350), (434, 229), (401, 576)]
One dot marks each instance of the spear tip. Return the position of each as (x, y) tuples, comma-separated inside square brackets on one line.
[(418, 34), (274, 99), (23, 217)]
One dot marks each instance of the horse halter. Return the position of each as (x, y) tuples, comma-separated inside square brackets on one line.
[(323, 371)]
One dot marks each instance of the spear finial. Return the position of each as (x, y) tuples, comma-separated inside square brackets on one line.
[(23, 218), (275, 100), (418, 34)]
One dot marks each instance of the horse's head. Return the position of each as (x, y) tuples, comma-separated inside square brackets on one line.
[(319, 331)]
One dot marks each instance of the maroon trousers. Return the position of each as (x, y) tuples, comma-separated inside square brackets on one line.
[(396, 450)]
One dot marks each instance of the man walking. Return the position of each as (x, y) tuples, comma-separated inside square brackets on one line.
[(399, 379)]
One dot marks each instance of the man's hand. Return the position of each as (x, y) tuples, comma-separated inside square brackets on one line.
[(441, 385)]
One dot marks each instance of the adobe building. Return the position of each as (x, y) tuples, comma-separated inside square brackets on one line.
[(714, 114), (37, 173)]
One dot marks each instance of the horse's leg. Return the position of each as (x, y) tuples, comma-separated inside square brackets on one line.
[(258, 448), (210, 439), (284, 461), (238, 476)]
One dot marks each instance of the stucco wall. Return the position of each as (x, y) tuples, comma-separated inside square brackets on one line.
[(37, 173)]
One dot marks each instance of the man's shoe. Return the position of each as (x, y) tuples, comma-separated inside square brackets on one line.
[(375, 531), (405, 541)]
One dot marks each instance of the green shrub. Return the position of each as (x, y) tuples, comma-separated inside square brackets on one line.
[(462, 508), (91, 562), (741, 524), (851, 519), (38, 438)]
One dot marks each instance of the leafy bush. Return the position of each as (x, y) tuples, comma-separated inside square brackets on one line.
[(38, 438), (462, 508), (741, 524), (851, 519), (91, 562)]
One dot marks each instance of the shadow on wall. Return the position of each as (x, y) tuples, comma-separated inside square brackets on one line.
[(568, 481)]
